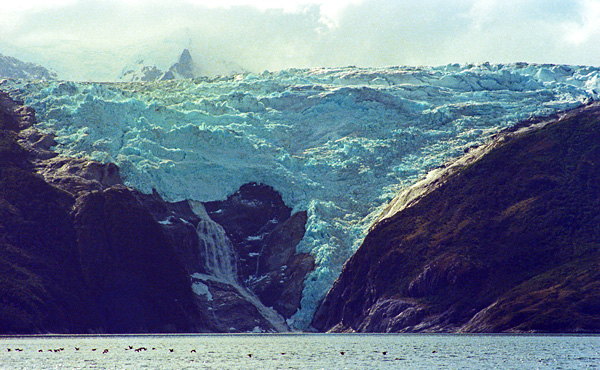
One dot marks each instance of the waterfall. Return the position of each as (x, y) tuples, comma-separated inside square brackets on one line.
[(220, 257), (220, 262)]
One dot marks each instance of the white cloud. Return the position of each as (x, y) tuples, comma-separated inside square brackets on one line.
[(22, 5), (99, 37), (587, 26)]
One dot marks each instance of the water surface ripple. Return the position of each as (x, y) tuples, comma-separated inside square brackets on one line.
[(301, 351)]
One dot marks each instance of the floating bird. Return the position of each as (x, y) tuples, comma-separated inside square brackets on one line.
[(93, 349), (249, 355), (8, 349), (342, 353), (282, 353), (171, 350), (433, 351), (384, 353)]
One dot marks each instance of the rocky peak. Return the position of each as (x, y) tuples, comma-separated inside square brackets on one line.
[(184, 68)]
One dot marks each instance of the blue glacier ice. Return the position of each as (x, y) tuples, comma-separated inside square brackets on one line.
[(339, 143)]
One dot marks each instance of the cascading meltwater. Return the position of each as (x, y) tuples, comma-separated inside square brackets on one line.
[(217, 248), (220, 261)]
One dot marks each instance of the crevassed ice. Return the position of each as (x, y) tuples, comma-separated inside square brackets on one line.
[(338, 143)]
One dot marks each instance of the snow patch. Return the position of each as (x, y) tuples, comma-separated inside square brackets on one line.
[(202, 289), (167, 221)]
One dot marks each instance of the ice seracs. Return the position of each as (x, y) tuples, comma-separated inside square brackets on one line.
[(338, 143)]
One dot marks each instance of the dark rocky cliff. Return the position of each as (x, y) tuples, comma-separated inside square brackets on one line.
[(82, 253), (507, 241), (265, 234), (78, 253)]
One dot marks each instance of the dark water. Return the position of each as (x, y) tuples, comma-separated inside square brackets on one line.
[(301, 351)]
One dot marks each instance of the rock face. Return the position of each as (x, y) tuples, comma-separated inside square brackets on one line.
[(79, 253), (264, 236), (139, 284), (178, 222), (40, 279), (279, 280), (504, 241), (185, 67), (83, 253)]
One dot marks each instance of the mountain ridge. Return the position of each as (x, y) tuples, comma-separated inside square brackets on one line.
[(11, 67), (184, 68)]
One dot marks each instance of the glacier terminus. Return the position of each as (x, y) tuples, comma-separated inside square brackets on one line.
[(338, 143)]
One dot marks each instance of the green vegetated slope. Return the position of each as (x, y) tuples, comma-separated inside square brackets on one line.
[(508, 243)]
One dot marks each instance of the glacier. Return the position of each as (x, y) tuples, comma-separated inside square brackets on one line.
[(339, 143)]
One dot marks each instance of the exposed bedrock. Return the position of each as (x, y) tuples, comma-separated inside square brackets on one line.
[(503, 240), (179, 222), (257, 225), (41, 286), (83, 253), (279, 280), (249, 216), (126, 258), (227, 308), (80, 254), (264, 236)]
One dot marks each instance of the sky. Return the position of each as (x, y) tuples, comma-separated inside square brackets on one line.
[(96, 39)]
